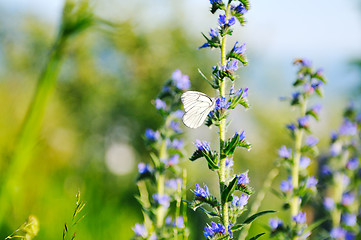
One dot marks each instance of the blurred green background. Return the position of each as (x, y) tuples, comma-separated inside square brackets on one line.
[(91, 135)]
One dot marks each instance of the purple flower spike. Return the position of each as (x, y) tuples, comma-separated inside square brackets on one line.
[(181, 81), (348, 128), (286, 186), (161, 199), (303, 122), (316, 109), (214, 230), (144, 168), (338, 233), (353, 163), (203, 146), (221, 103), (311, 182), (239, 49), (152, 135), (349, 219), (213, 33), (240, 202), (240, 9), (275, 223), (222, 20), (348, 199), (328, 203), (304, 162)]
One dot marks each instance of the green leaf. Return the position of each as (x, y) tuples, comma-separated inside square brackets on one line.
[(257, 236), (237, 227), (246, 4), (314, 225), (254, 216), (227, 192)]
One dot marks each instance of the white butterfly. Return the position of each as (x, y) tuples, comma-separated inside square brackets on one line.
[(197, 105)]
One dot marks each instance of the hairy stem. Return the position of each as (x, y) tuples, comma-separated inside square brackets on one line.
[(160, 213), (222, 130)]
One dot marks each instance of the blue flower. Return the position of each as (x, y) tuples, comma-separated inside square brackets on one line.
[(178, 114), (176, 143), (229, 162), (348, 128), (338, 233), (350, 236), (335, 149), (200, 193), (304, 162), (303, 121), (275, 223), (316, 109), (140, 230), (291, 127), (144, 168), (243, 178), (173, 160), (311, 182), (173, 183), (328, 203), (239, 49), (213, 33), (161, 199), (316, 84), (295, 97), (205, 45), (285, 153), (152, 135), (286, 185), (203, 146), (311, 141), (160, 104), (214, 229), (181, 81), (241, 136), (240, 202), (305, 62), (326, 170), (222, 20), (349, 219), (240, 9), (239, 92), (300, 217), (232, 65), (347, 199), (215, 1), (175, 126), (221, 103), (179, 222), (353, 163)]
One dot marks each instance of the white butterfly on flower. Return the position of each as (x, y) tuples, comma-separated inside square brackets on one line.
[(197, 106)]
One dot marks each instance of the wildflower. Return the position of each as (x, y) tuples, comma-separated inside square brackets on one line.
[(203, 146), (216, 1), (173, 183), (353, 163), (304, 162), (144, 168), (316, 109), (221, 103), (232, 65), (348, 128), (179, 222), (140, 230), (176, 143), (304, 62), (300, 217), (243, 178), (213, 33), (311, 141), (222, 20), (286, 186), (275, 223), (152, 135), (335, 149), (347, 199), (316, 84), (229, 162), (241, 136), (349, 219), (214, 230), (160, 104), (328, 203), (240, 9), (338, 233), (200, 193), (181, 81), (178, 114), (285, 153), (326, 170), (173, 160), (239, 49), (311, 182), (291, 127), (240, 202), (239, 92), (303, 122), (175, 126), (161, 199)]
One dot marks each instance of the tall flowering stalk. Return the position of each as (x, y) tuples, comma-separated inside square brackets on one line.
[(229, 205), (300, 186), (168, 179), (340, 177)]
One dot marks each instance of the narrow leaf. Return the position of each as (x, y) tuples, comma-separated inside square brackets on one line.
[(254, 216), (257, 236)]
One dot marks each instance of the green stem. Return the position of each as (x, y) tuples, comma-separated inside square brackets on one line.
[(222, 131), (185, 206), (299, 133), (31, 126), (160, 213)]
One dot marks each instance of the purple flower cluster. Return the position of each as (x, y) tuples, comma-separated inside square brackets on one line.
[(214, 230), (200, 193), (181, 81)]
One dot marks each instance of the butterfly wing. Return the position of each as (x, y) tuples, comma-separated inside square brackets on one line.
[(197, 105)]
